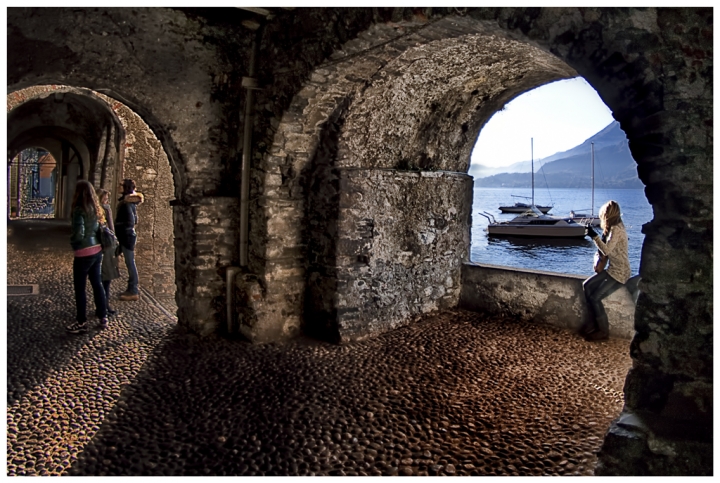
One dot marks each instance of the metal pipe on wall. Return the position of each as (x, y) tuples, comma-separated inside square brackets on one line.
[(250, 84), (229, 286)]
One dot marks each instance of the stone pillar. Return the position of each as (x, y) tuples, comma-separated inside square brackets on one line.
[(206, 244)]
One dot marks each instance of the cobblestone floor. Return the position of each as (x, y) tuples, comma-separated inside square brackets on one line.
[(455, 394)]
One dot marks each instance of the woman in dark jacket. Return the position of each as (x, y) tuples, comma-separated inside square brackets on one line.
[(125, 221), (109, 268), (87, 214)]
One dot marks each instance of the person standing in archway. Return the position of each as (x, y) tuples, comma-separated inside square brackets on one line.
[(87, 215), (125, 222), (109, 268), (613, 249)]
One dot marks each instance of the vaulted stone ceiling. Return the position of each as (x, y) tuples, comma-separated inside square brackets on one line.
[(75, 118), (429, 103)]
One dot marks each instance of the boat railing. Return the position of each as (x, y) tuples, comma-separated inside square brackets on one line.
[(489, 216)]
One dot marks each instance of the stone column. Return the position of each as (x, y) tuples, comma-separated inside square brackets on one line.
[(206, 244)]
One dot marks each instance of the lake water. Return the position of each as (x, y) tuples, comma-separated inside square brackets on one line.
[(574, 256)]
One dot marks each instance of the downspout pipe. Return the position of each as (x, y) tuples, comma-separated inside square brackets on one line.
[(250, 84)]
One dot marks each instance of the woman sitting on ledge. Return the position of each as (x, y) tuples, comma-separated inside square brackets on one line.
[(612, 249)]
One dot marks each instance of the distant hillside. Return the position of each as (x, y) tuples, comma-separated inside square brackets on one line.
[(614, 166)]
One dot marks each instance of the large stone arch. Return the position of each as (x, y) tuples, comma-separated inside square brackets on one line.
[(120, 146), (353, 118), (389, 64), (180, 75), (181, 71), (71, 123)]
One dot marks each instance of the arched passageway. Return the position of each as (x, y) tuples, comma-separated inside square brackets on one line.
[(100, 139), (378, 140), (359, 109), (581, 159), (31, 183)]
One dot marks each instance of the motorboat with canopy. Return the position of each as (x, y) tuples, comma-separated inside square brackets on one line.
[(533, 223)]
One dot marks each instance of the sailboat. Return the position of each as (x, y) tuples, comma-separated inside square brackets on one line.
[(583, 218), (533, 223), (520, 207)]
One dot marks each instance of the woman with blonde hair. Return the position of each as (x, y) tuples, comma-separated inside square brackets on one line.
[(87, 215), (613, 249), (109, 268)]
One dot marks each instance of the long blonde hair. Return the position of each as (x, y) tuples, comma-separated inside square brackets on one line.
[(609, 216), (86, 199), (101, 193)]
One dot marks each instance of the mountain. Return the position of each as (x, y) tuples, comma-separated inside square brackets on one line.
[(614, 166)]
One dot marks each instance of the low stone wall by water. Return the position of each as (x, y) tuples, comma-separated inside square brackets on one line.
[(541, 297)]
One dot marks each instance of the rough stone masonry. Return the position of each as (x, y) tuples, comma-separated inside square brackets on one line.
[(403, 89)]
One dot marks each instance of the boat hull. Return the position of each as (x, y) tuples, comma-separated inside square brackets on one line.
[(538, 231), (523, 209)]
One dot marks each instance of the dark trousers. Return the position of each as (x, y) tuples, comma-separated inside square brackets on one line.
[(596, 288), (84, 268), (106, 288)]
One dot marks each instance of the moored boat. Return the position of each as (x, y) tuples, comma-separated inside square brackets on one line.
[(520, 207), (533, 223), (584, 218)]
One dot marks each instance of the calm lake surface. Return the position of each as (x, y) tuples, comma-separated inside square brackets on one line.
[(572, 256)]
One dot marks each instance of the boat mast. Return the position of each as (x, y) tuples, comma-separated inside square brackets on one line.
[(592, 179), (532, 171)]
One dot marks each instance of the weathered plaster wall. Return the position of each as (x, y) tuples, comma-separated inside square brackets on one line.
[(541, 297)]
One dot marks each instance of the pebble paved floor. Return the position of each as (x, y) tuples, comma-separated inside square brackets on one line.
[(455, 394)]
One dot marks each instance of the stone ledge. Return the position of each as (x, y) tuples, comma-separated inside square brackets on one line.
[(543, 297)]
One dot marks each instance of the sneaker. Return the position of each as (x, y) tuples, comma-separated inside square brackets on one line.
[(103, 323), (111, 312), (77, 327), (128, 297)]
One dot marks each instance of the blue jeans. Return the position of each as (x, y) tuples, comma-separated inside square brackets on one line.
[(596, 288), (84, 268), (129, 256)]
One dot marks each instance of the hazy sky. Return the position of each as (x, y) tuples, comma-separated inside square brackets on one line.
[(558, 116)]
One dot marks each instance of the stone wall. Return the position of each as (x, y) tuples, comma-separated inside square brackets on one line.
[(206, 240), (359, 80), (399, 241), (541, 297)]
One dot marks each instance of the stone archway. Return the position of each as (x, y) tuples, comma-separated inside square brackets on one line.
[(407, 103), (651, 67), (126, 147), (182, 72)]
